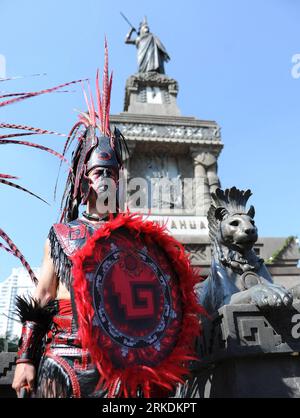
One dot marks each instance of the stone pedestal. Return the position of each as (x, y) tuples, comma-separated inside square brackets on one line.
[(151, 93), (249, 353)]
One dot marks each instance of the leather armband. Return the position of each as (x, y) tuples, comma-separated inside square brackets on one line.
[(36, 320), (30, 343)]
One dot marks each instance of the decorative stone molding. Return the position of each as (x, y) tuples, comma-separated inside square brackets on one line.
[(152, 79), (245, 330), (171, 133), (247, 352)]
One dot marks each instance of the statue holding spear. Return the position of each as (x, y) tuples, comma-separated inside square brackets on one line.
[(151, 53)]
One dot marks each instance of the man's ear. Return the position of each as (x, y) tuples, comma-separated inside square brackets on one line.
[(221, 213), (251, 212)]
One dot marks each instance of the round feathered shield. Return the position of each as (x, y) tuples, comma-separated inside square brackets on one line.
[(136, 308)]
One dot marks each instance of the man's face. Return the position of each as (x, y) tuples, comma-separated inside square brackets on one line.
[(101, 178)]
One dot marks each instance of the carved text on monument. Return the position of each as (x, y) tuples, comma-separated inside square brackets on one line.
[(184, 132)]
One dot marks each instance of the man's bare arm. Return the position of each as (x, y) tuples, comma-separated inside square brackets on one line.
[(46, 289)]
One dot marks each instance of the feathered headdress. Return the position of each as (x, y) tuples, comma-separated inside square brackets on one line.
[(97, 146)]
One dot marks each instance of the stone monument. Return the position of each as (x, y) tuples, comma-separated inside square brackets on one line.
[(165, 144)]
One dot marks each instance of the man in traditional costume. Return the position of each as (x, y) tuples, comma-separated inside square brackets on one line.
[(114, 313)]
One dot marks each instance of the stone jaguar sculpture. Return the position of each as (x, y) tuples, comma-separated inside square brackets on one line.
[(238, 275)]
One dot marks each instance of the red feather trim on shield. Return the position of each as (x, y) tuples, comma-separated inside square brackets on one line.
[(174, 368)]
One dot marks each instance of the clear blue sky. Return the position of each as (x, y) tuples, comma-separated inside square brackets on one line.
[(233, 62)]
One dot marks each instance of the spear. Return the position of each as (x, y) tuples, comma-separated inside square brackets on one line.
[(126, 20)]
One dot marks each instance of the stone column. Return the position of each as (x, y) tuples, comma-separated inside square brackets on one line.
[(124, 180), (201, 161), (131, 146), (212, 173)]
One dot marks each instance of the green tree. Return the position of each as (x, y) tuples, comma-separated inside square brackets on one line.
[(8, 344)]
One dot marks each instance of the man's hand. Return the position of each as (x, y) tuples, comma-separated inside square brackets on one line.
[(24, 377)]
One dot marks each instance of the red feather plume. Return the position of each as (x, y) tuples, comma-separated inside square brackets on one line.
[(17, 253), (4, 139)]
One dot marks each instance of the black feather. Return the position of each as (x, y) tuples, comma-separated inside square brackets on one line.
[(30, 309), (62, 263)]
